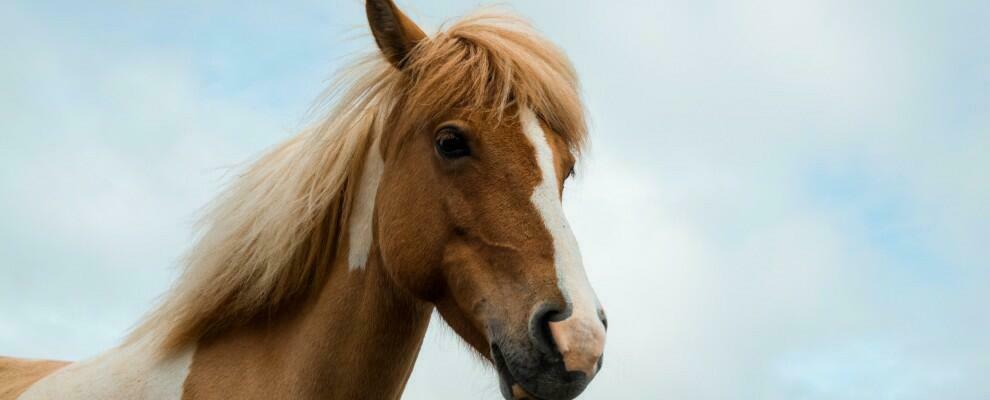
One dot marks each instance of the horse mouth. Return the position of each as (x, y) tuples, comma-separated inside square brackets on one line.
[(508, 385)]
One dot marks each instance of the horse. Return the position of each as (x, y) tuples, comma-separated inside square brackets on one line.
[(432, 181)]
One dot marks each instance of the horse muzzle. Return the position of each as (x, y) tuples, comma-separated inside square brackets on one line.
[(556, 361)]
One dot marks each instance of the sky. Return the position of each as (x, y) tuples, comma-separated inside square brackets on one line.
[(782, 200)]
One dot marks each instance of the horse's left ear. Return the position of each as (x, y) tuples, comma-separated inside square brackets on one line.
[(394, 32)]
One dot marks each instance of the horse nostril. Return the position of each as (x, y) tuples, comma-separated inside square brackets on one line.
[(539, 328)]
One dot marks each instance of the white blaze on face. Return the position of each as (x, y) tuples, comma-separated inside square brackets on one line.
[(360, 221), (581, 336)]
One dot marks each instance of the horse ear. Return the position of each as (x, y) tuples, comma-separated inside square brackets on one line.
[(395, 33)]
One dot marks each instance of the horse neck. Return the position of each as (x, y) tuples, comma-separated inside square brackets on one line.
[(357, 337)]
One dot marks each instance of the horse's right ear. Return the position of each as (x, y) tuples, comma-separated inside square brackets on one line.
[(395, 33)]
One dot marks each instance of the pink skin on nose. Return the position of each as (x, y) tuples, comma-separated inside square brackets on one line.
[(581, 341)]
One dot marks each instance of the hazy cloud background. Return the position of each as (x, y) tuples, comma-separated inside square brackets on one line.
[(784, 200)]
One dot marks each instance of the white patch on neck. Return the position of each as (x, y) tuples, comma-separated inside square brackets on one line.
[(571, 278), (360, 221), (132, 371)]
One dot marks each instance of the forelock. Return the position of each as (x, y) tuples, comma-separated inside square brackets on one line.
[(490, 62)]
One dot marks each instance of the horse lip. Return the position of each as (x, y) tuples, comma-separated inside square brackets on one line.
[(506, 380), (505, 377)]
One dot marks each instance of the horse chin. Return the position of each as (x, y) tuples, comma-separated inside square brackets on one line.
[(515, 392), (511, 390)]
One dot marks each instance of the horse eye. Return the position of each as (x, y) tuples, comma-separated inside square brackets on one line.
[(451, 144)]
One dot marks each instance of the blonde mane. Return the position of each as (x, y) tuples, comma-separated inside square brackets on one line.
[(275, 231)]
